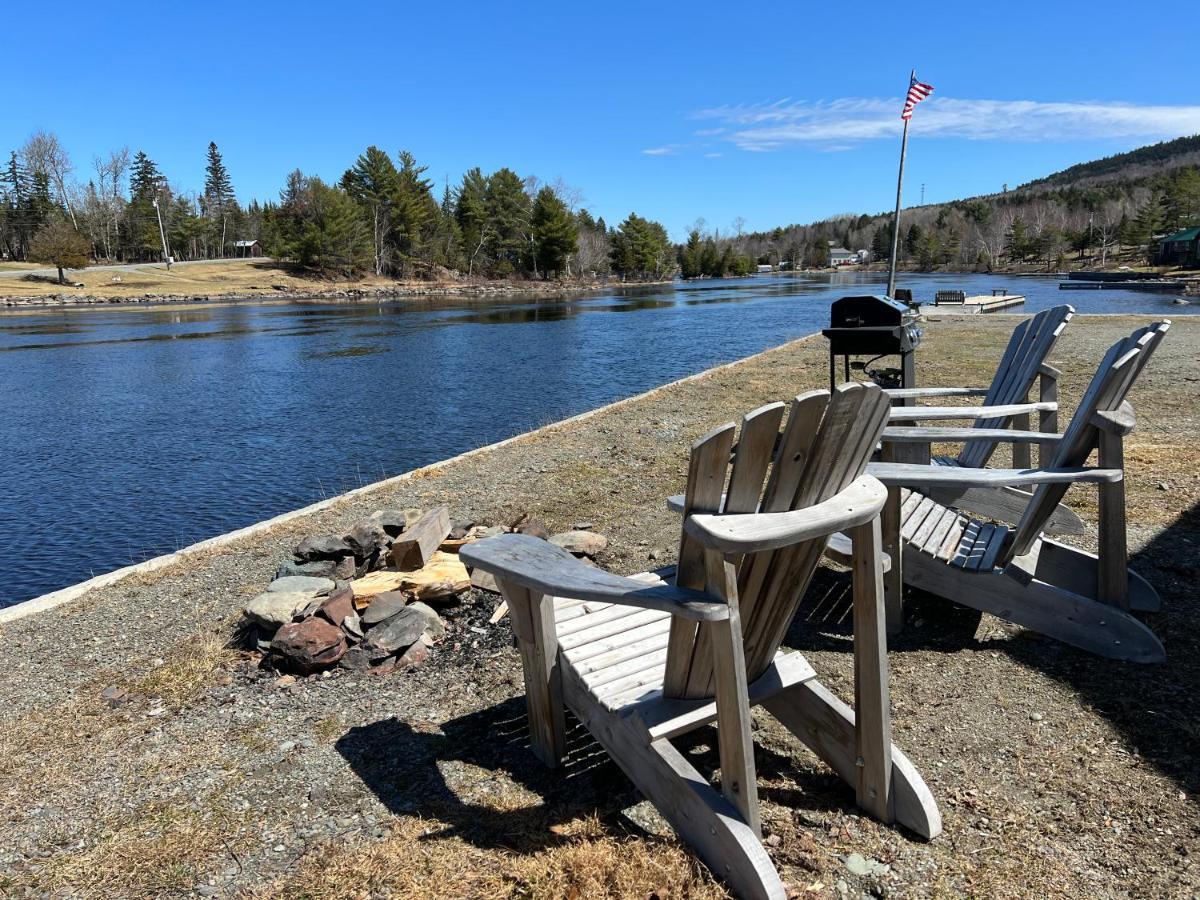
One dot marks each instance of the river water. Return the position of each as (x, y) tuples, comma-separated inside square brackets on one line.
[(132, 431)]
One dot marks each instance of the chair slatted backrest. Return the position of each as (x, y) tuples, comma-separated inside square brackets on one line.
[(1028, 348), (824, 447), (1112, 382)]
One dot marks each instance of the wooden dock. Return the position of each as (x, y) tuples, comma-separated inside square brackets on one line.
[(959, 302)]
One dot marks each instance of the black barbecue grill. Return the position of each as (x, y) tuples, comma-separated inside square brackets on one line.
[(876, 327)]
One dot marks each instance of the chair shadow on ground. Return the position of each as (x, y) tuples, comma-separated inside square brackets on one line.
[(457, 774), (1153, 706)]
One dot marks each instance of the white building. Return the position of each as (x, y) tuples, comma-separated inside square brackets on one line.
[(840, 256)]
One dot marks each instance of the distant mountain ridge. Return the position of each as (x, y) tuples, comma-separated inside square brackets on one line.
[(1152, 159)]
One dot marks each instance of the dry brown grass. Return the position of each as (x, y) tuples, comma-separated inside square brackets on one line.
[(159, 851), (190, 667), (419, 860), (208, 279)]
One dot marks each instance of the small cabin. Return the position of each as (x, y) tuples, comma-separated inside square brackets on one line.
[(1180, 249), (840, 256), (248, 248), (764, 268)]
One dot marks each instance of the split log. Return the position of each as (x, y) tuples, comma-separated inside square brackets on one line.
[(416, 546)]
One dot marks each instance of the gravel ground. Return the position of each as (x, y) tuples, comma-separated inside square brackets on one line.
[(1057, 774)]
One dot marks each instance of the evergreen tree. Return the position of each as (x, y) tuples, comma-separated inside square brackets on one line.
[(416, 212), (555, 233), (1181, 207), (374, 184), (141, 238), (690, 260), (641, 250), (881, 243), (1018, 243), (508, 218), (471, 213), (219, 201), (912, 241)]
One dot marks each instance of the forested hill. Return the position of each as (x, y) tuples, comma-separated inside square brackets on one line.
[(1092, 214), (1155, 158)]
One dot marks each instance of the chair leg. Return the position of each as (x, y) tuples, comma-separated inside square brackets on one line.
[(735, 740), (532, 617), (1113, 552), (893, 586), (873, 722)]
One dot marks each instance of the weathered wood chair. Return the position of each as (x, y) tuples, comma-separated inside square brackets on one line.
[(1019, 574), (641, 661), (1006, 405)]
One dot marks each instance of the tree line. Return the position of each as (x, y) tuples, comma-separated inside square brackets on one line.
[(381, 216), (1117, 206)]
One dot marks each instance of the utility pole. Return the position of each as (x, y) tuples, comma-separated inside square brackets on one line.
[(922, 193), (163, 234), (891, 285)]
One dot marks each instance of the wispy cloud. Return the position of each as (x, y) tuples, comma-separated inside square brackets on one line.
[(669, 150), (838, 124)]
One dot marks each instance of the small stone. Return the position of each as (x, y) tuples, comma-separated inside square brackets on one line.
[(533, 527), (860, 865), (580, 543), (356, 659), (460, 529), (272, 609), (394, 521), (337, 606), (367, 538), (287, 746), (434, 627), (1164, 485), (353, 626), (345, 568), (398, 632), (301, 584), (1035, 717), (113, 695), (325, 546), (490, 531), (655, 554), (318, 568), (384, 606), (285, 681), (413, 656), (582, 526), (383, 667), (310, 645)]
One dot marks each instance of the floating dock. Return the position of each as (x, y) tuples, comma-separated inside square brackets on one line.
[(959, 302)]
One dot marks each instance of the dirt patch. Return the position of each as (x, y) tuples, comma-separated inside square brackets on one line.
[(1057, 774)]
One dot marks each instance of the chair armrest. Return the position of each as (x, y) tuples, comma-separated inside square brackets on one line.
[(902, 474), (1118, 421), (901, 435), (908, 393), (855, 504), (914, 413), (1048, 371), (542, 567)]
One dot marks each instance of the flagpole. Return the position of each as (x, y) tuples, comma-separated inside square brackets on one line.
[(891, 285)]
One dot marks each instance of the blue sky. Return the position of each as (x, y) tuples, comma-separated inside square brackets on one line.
[(773, 112)]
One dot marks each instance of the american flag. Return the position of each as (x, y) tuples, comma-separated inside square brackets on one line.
[(917, 92)]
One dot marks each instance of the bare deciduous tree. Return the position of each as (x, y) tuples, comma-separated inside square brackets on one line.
[(43, 153)]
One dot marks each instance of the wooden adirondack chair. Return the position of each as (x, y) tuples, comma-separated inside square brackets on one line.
[(640, 661), (1018, 574), (1006, 404)]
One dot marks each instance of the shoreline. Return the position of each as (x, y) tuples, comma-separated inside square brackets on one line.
[(383, 294)]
